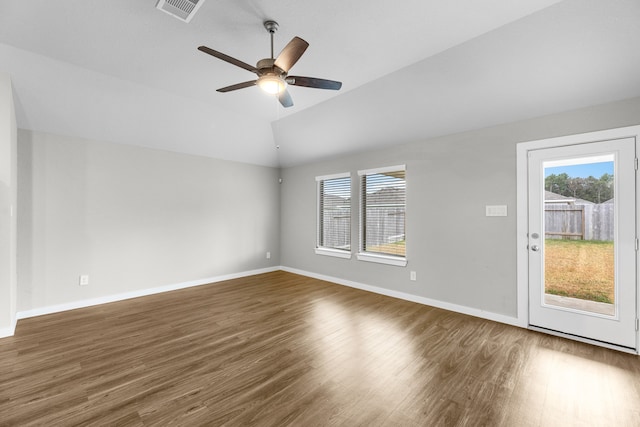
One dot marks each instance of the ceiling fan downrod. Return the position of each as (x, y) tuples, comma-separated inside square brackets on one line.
[(272, 27)]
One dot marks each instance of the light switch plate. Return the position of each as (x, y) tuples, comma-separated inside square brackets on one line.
[(496, 210)]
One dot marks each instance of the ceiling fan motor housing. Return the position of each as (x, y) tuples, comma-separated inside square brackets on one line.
[(266, 67)]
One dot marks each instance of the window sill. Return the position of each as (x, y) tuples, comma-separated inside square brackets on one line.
[(383, 259), (333, 252)]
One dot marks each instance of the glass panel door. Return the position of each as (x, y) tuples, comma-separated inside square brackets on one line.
[(582, 228), (579, 234)]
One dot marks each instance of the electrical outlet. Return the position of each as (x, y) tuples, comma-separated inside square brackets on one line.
[(412, 276), (84, 280), (268, 255)]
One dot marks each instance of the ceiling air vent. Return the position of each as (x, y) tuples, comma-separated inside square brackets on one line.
[(181, 9)]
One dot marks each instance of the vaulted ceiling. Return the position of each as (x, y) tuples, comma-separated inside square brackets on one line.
[(123, 71)]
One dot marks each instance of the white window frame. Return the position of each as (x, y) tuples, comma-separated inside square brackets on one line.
[(321, 250), (396, 260)]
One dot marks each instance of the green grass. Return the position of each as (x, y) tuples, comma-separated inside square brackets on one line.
[(581, 269)]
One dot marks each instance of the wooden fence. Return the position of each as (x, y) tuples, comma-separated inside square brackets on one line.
[(579, 222), (337, 227), (384, 225)]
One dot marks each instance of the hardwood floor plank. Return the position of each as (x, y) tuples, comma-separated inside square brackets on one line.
[(280, 349)]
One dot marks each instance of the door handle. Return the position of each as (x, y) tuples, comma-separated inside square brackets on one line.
[(535, 248)]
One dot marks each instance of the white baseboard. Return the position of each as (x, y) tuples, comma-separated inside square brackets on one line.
[(413, 298), (9, 331), (135, 294), (144, 292)]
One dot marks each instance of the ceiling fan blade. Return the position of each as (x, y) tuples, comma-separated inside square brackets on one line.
[(237, 86), (285, 99), (314, 82), (228, 59), (291, 53)]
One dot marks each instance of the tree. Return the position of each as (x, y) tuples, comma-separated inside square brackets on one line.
[(596, 190), (604, 188), (576, 186), (591, 192), (557, 183)]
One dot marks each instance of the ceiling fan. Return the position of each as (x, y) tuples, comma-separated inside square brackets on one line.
[(273, 73)]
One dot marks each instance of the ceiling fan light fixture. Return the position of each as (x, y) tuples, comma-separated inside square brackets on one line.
[(272, 84)]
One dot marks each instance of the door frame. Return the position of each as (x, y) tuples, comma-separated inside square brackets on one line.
[(522, 220)]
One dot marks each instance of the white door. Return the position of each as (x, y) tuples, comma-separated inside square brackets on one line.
[(582, 240)]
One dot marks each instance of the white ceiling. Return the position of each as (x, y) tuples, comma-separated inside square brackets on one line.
[(122, 71)]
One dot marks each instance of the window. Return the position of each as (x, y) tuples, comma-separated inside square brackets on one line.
[(334, 215), (382, 215)]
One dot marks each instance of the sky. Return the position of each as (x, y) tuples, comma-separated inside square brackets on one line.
[(581, 171), (340, 187)]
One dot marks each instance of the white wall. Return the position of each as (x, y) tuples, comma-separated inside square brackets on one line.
[(135, 218), (7, 208), (462, 258)]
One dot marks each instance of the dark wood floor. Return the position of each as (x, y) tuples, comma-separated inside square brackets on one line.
[(280, 349)]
